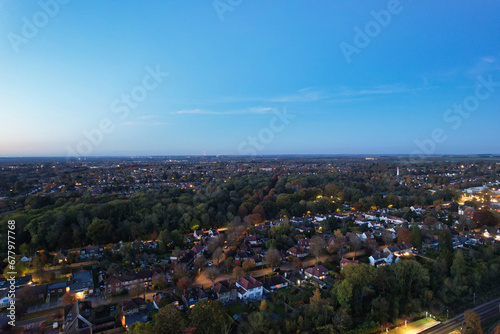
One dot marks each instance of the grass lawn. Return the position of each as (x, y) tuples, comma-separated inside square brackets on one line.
[(235, 308), (413, 325)]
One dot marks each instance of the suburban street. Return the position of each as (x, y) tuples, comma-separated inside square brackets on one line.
[(203, 281), (486, 311)]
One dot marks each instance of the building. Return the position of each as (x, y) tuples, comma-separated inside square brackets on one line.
[(134, 310), (115, 283), (320, 272), (57, 289), (249, 288), (274, 282), (81, 283), (378, 259), (226, 292), (344, 262)]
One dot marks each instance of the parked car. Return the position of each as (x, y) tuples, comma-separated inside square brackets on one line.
[(210, 263)]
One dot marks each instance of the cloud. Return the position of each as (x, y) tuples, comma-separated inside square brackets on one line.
[(146, 117), (143, 124), (484, 65), (303, 95), (250, 110)]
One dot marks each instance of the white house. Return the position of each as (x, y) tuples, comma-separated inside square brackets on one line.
[(249, 288), (381, 259)]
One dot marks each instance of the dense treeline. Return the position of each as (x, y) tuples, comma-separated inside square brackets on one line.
[(55, 223), (362, 298)]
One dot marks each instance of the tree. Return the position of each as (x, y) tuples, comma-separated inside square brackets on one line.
[(387, 237), (19, 269), (248, 265), (141, 328), (227, 263), (160, 281), (472, 322), (98, 231), (210, 317), (459, 267), (271, 243), (263, 305), (272, 258), (184, 283), (484, 217), (169, 320), (218, 254), (430, 221), (297, 263), (238, 272), (199, 263), (316, 298), (136, 290), (355, 243), (416, 237), (69, 298), (212, 273), (317, 246), (256, 323), (404, 235)]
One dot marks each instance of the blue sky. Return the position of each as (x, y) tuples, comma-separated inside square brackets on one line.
[(231, 69)]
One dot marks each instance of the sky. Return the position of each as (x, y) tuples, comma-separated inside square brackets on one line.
[(239, 77)]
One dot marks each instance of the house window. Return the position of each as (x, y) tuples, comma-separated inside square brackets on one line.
[(60, 290), (117, 284)]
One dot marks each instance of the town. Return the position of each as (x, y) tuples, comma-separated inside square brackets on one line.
[(252, 245)]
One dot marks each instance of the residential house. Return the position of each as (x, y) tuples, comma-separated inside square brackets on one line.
[(298, 251), (378, 259), (134, 310), (57, 289), (82, 282), (226, 292), (213, 233), (304, 243), (365, 236), (198, 234), (115, 283), (198, 250), (400, 249), (192, 296), (91, 252), (172, 297), (249, 288), (295, 277), (344, 262), (320, 272), (274, 282), (19, 282), (77, 317)]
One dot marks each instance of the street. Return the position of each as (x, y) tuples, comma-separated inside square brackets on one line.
[(486, 311)]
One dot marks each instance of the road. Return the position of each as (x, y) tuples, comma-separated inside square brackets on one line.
[(486, 311), (203, 281)]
